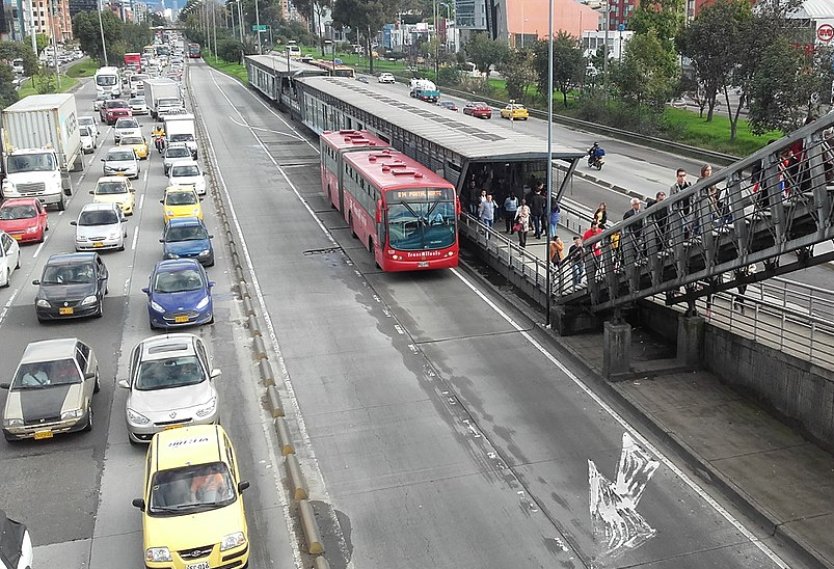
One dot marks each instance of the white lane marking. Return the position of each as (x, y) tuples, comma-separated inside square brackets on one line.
[(135, 238), (141, 201), (145, 177), (623, 423), (8, 305), (60, 213), (296, 136), (38, 250)]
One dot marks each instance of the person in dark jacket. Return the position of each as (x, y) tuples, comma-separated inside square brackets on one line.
[(538, 205)]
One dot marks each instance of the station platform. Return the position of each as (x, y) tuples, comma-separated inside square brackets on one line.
[(751, 456)]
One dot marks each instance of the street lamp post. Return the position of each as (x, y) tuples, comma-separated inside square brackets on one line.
[(607, 9), (549, 151), (214, 26), (258, 24), (100, 27)]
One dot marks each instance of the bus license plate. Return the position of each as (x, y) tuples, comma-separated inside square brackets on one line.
[(423, 264), (66, 310), (40, 435), (180, 319)]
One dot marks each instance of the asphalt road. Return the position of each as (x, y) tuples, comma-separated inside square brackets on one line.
[(438, 428), (74, 491)]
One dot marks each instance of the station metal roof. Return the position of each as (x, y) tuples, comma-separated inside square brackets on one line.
[(472, 138), (280, 64)]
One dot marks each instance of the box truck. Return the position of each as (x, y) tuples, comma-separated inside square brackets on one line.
[(156, 89), (42, 145), (181, 128)]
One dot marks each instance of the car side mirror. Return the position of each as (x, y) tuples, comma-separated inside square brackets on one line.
[(211, 284), (103, 160), (215, 373), (211, 236), (241, 486), (139, 503), (146, 290), (36, 282), (124, 383), (162, 240), (4, 385), (162, 201), (73, 223), (92, 193)]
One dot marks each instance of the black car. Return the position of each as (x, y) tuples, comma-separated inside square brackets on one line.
[(448, 105), (72, 285)]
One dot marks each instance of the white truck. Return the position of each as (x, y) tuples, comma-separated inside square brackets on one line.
[(156, 89), (108, 81), (42, 145), (181, 128)]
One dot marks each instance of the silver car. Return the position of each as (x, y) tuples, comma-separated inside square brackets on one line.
[(175, 153), (100, 226), (121, 161), (126, 127), (51, 391), (171, 385)]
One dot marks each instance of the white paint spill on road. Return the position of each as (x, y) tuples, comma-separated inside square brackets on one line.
[(614, 505)]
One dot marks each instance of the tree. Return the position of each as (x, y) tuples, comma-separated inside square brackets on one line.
[(648, 72), (485, 52), (8, 94), (10, 50), (519, 71), (317, 8), (230, 50), (156, 19), (364, 16), (663, 17), (85, 27), (568, 64), (707, 42)]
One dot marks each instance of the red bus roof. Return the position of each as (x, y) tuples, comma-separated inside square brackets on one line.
[(387, 169), (341, 139)]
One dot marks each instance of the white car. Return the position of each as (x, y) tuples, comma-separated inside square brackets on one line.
[(176, 153), (138, 106), (187, 174), (88, 140), (90, 122), (9, 258), (127, 126), (100, 99), (121, 161), (100, 226), (386, 78), (15, 545)]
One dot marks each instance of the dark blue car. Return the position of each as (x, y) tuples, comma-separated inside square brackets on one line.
[(188, 238), (179, 294)]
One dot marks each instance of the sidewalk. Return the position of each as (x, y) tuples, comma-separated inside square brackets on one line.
[(753, 457)]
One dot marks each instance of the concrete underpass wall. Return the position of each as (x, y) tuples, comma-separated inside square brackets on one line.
[(801, 392)]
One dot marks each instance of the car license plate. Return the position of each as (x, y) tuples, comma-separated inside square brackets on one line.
[(65, 310), (423, 264), (180, 319), (98, 244), (169, 427), (201, 565), (17, 237), (40, 435)]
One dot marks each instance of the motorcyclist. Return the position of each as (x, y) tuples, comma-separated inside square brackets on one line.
[(158, 135), (595, 154)]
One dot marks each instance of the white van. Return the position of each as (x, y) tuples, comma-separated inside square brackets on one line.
[(108, 81), (293, 49)]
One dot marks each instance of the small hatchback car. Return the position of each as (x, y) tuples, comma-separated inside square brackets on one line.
[(192, 501)]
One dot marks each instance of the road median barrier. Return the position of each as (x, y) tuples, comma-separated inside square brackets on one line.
[(239, 274), (284, 439), (254, 327), (248, 308), (259, 348), (265, 369), (297, 485), (311, 528), (243, 289), (276, 409), (321, 563)]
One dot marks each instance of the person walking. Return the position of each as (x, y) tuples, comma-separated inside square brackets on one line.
[(557, 251), (555, 216), (510, 209), (522, 223), (486, 211), (576, 256), (590, 233), (683, 207), (538, 205), (601, 215)]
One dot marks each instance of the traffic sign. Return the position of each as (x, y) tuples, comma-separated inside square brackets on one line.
[(621, 27), (825, 33), (261, 28)]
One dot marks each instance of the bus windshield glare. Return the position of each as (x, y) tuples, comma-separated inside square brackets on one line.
[(421, 219), (105, 80)]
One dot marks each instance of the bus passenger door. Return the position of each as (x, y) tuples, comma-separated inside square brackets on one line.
[(340, 176), (380, 227)]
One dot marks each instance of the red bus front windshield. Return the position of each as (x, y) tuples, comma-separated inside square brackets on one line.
[(421, 219)]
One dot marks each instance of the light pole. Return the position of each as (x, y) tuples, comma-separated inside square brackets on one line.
[(549, 148), (436, 41), (214, 27), (258, 24), (607, 9), (100, 27)]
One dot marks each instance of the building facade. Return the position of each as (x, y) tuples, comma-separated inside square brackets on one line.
[(522, 22), (76, 6)]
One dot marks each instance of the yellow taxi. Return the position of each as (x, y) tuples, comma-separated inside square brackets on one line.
[(180, 201), (192, 501), (117, 190), (515, 112), (139, 145)]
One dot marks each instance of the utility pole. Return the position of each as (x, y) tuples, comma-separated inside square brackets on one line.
[(51, 9), (214, 26), (100, 27), (258, 24), (33, 32), (240, 18), (549, 151), (606, 7), (436, 42)]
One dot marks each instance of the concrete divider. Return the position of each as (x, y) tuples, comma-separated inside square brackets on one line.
[(248, 309), (232, 248), (243, 288), (266, 371), (276, 409), (321, 563), (236, 260), (311, 528), (284, 439), (297, 485), (240, 274), (254, 327), (259, 348)]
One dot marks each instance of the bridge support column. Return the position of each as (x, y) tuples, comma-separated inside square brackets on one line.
[(616, 349), (690, 340)]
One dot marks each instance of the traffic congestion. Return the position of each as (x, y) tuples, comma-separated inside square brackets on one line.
[(89, 179)]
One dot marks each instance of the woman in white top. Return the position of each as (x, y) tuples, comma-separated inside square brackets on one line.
[(522, 222)]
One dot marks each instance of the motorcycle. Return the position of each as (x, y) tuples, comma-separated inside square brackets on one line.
[(596, 162)]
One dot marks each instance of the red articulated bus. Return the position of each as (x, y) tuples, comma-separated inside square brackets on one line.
[(404, 213)]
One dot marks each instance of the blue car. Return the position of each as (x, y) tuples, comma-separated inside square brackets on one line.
[(179, 294), (188, 238)]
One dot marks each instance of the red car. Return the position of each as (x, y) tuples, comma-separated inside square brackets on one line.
[(113, 110), (479, 110), (25, 219)]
